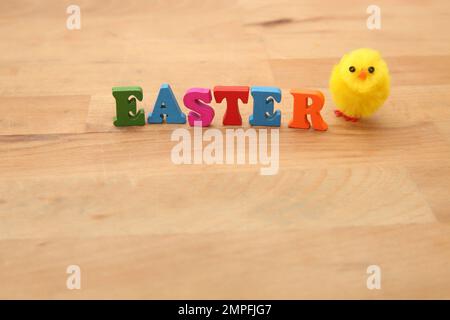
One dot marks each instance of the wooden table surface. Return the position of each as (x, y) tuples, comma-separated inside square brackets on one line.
[(75, 190)]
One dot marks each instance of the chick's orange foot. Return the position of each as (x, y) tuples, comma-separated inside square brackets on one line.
[(339, 114)]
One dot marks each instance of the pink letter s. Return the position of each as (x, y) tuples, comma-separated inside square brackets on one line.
[(193, 99)]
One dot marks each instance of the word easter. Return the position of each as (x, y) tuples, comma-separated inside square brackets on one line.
[(196, 99)]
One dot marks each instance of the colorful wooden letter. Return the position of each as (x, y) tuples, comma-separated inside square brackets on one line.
[(232, 95), (166, 106), (263, 103), (301, 109), (126, 114), (194, 99)]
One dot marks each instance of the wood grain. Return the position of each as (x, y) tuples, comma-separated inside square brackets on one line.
[(76, 190)]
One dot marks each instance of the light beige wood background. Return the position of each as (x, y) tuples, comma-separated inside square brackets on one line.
[(76, 190)]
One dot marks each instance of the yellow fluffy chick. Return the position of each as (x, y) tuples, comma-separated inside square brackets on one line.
[(359, 84)]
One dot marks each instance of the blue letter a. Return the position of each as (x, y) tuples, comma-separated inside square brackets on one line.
[(166, 105)]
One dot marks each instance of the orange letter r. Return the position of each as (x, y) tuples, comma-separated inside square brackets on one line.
[(302, 109)]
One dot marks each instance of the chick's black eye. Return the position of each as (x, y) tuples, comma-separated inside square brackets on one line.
[(352, 69), (371, 69)]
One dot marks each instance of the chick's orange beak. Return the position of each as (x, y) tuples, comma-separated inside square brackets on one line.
[(362, 75)]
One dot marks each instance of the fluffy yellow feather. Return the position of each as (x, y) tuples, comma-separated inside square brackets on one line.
[(359, 84)]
